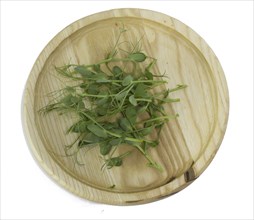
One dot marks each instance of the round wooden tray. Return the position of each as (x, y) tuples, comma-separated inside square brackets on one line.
[(187, 145)]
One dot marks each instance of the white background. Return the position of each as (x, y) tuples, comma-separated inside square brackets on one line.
[(224, 190)]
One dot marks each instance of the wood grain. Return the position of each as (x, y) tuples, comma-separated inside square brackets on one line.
[(187, 145)]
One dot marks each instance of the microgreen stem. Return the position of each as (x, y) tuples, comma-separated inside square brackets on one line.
[(159, 118), (97, 96), (144, 100), (150, 81), (177, 88), (152, 163)]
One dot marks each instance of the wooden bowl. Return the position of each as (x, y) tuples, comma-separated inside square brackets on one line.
[(187, 145)]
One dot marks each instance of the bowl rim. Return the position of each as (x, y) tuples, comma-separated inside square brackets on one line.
[(111, 197)]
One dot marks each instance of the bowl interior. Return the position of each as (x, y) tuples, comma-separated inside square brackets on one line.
[(183, 141)]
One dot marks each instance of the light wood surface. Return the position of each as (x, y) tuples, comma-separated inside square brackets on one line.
[(187, 145)]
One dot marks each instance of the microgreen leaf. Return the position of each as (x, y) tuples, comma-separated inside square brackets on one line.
[(95, 129), (99, 77), (141, 91), (102, 101), (93, 89), (70, 90), (142, 109), (125, 124), (83, 71), (91, 138), (148, 74), (102, 111), (115, 141), (132, 100), (83, 143), (131, 114), (67, 100), (81, 105), (105, 148), (121, 95), (97, 68), (110, 125), (117, 71), (79, 127), (137, 57), (113, 162), (75, 99), (146, 131), (127, 80)]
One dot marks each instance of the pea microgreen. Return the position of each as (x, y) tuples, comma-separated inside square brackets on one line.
[(113, 106)]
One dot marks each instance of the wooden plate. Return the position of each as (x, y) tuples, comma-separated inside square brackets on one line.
[(187, 145)]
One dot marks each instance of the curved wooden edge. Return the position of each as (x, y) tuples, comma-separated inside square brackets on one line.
[(109, 197)]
